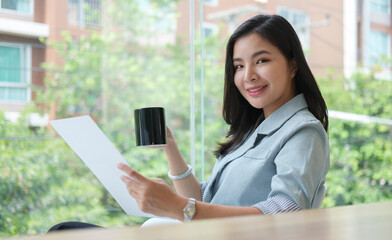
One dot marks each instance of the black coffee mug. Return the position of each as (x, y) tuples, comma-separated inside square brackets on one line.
[(150, 126)]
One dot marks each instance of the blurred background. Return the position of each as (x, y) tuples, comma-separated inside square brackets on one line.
[(65, 58)]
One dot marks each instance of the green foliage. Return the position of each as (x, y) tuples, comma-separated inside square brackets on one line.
[(43, 182), (361, 155), (105, 75)]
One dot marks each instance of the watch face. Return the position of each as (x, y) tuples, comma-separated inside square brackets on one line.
[(190, 211)]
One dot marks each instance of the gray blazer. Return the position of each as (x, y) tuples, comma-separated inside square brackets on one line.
[(291, 161)]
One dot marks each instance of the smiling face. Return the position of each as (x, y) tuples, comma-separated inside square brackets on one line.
[(263, 75)]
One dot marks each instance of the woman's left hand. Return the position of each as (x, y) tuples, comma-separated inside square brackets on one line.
[(153, 196)]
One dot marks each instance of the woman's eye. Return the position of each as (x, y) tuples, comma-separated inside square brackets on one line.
[(238, 67), (262, 61)]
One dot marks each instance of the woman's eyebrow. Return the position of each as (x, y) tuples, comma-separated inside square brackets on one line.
[(260, 53), (253, 55), (237, 59)]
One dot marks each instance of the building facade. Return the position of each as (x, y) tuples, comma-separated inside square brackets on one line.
[(25, 25), (336, 35)]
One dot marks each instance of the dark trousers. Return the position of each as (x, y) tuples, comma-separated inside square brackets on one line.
[(72, 225)]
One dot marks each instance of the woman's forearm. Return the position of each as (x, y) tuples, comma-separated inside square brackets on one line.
[(207, 210), (188, 186)]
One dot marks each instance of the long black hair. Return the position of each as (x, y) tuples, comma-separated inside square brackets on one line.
[(237, 112)]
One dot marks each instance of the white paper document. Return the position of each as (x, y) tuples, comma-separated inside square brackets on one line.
[(100, 155)]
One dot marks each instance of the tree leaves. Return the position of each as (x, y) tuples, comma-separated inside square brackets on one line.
[(361, 158)]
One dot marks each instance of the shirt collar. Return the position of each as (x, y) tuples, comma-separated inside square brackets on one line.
[(280, 116)]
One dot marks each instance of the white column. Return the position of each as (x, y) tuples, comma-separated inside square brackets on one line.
[(350, 36), (192, 81), (365, 33)]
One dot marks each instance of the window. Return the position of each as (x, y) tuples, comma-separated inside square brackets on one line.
[(379, 47), (20, 6), (300, 21), (14, 77), (381, 6), (209, 29), (211, 2), (84, 13), (207, 32)]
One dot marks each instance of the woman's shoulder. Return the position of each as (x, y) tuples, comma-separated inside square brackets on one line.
[(304, 115), (304, 119)]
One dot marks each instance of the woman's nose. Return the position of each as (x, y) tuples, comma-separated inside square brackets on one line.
[(250, 74)]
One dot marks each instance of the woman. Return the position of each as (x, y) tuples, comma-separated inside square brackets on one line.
[(276, 156)]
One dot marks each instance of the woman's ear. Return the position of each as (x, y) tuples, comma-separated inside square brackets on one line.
[(293, 68)]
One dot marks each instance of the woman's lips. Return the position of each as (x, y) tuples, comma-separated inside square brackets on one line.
[(254, 91)]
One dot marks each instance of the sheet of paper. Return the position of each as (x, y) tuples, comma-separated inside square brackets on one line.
[(100, 155)]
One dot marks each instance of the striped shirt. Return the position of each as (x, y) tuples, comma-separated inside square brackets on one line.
[(277, 204)]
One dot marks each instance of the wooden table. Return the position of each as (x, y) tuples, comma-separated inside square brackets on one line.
[(367, 221)]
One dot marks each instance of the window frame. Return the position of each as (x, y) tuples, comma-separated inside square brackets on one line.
[(209, 26), (379, 3), (30, 14), (81, 14), (372, 60), (25, 69), (213, 3)]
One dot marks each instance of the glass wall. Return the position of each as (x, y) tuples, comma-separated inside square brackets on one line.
[(105, 58)]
